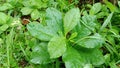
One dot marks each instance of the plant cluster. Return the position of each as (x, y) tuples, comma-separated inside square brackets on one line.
[(59, 34)]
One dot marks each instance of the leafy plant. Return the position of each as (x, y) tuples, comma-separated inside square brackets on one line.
[(58, 43), (33, 7), (59, 34)]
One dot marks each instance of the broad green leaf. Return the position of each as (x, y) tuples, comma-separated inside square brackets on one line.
[(39, 31), (10, 20), (26, 10), (91, 41), (85, 27), (88, 66), (90, 56), (72, 58), (5, 6), (15, 3), (3, 18), (81, 30), (3, 28), (95, 8), (54, 19), (41, 4), (56, 47), (72, 17), (94, 57), (89, 21), (27, 3), (37, 4), (106, 22), (35, 14), (54, 25), (40, 54)]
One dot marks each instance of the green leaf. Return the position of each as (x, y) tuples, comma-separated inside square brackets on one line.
[(54, 19), (40, 54), (95, 57), (95, 8), (35, 14), (3, 28), (41, 32), (5, 6), (26, 10), (112, 7), (88, 66), (82, 31), (37, 4), (72, 58), (91, 56), (72, 17), (3, 18), (106, 22), (91, 41), (85, 27), (89, 21), (27, 3), (53, 27), (56, 47)]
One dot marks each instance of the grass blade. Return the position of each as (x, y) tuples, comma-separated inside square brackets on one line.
[(106, 22)]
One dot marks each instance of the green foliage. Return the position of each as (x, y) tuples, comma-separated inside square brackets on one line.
[(54, 20), (56, 47), (90, 41), (3, 18), (35, 14), (40, 54), (5, 7), (110, 6), (95, 8), (26, 10), (73, 59), (71, 19), (3, 28), (106, 22), (59, 34), (39, 31)]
